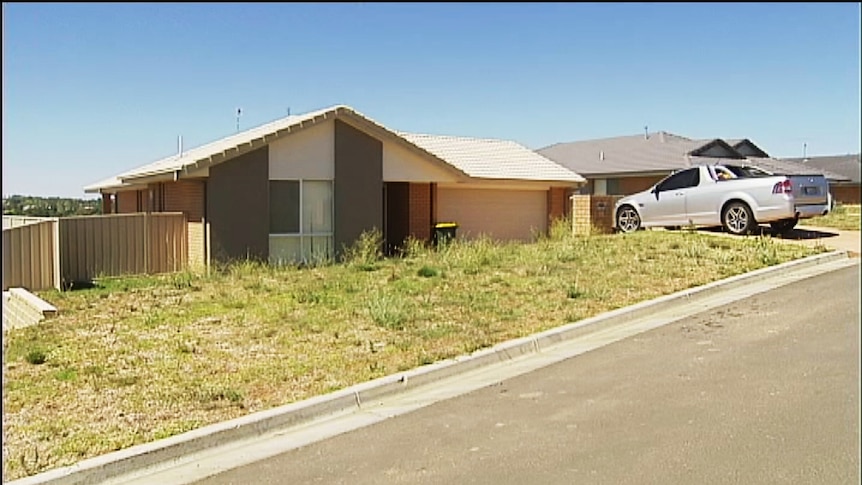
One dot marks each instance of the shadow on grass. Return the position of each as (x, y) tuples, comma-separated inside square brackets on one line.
[(795, 234)]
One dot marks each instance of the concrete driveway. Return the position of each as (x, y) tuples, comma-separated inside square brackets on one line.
[(811, 236), (831, 238)]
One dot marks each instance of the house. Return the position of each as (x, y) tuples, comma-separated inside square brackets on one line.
[(849, 166), (310, 184), (628, 164)]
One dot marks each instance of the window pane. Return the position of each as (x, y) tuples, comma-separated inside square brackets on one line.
[(284, 206), (284, 250), (318, 248), (317, 207)]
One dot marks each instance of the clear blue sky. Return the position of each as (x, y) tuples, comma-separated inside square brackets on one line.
[(90, 90)]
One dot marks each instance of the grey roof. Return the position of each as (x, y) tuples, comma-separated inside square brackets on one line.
[(664, 152), (848, 166), (660, 151), (784, 167)]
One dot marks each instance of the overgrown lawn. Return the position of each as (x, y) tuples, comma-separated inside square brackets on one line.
[(141, 358), (843, 216)]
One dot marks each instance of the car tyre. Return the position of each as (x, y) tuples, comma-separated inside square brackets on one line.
[(737, 218), (628, 219)]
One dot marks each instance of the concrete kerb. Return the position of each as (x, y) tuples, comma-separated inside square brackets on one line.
[(168, 450)]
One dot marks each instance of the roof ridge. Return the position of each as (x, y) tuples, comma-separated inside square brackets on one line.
[(457, 137)]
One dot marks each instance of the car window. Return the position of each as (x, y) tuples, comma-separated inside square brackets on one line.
[(747, 172), (680, 180)]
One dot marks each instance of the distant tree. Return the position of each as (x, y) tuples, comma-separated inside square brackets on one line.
[(34, 206)]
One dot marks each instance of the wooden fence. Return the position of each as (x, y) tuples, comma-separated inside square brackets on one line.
[(85, 247)]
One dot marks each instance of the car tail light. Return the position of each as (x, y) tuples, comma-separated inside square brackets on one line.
[(783, 187)]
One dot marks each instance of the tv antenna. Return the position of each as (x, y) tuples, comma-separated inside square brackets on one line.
[(238, 114)]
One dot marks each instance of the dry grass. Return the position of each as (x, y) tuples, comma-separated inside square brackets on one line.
[(142, 358), (843, 216)]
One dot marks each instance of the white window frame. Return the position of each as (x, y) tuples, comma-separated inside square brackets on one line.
[(303, 235)]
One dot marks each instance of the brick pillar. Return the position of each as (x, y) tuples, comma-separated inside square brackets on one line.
[(419, 202), (593, 213)]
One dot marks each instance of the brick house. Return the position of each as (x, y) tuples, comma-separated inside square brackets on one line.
[(310, 184), (628, 164)]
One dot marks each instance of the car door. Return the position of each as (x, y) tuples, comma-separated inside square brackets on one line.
[(667, 206)]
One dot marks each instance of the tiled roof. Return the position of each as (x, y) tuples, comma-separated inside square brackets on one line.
[(848, 166), (492, 159), (188, 157), (660, 151), (503, 159)]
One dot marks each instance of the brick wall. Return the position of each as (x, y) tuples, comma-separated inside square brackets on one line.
[(556, 203), (593, 213), (186, 196), (846, 194), (631, 185), (128, 202), (107, 207), (419, 201), (197, 244)]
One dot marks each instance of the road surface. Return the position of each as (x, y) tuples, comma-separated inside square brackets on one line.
[(763, 391)]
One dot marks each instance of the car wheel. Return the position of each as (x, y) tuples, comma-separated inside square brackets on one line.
[(737, 218), (628, 219), (783, 226)]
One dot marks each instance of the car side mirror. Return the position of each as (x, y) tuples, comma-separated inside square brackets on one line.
[(655, 191)]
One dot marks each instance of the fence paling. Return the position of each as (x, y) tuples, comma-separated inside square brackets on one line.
[(29, 255), (134, 244)]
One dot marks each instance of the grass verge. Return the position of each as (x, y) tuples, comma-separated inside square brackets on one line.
[(136, 359), (843, 216)]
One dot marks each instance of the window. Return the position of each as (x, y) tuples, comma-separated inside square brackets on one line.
[(681, 180), (747, 172), (300, 220)]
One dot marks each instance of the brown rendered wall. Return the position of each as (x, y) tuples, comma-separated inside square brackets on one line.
[(358, 197), (419, 201), (846, 194), (237, 207), (186, 196)]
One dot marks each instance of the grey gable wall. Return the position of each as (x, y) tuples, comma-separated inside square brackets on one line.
[(358, 186), (238, 207)]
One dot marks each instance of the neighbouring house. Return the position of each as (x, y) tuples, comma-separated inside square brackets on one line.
[(849, 166), (310, 184), (628, 164)]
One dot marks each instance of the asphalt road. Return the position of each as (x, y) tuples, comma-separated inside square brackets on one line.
[(764, 391)]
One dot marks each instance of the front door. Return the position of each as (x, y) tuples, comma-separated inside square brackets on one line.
[(396, 215)]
